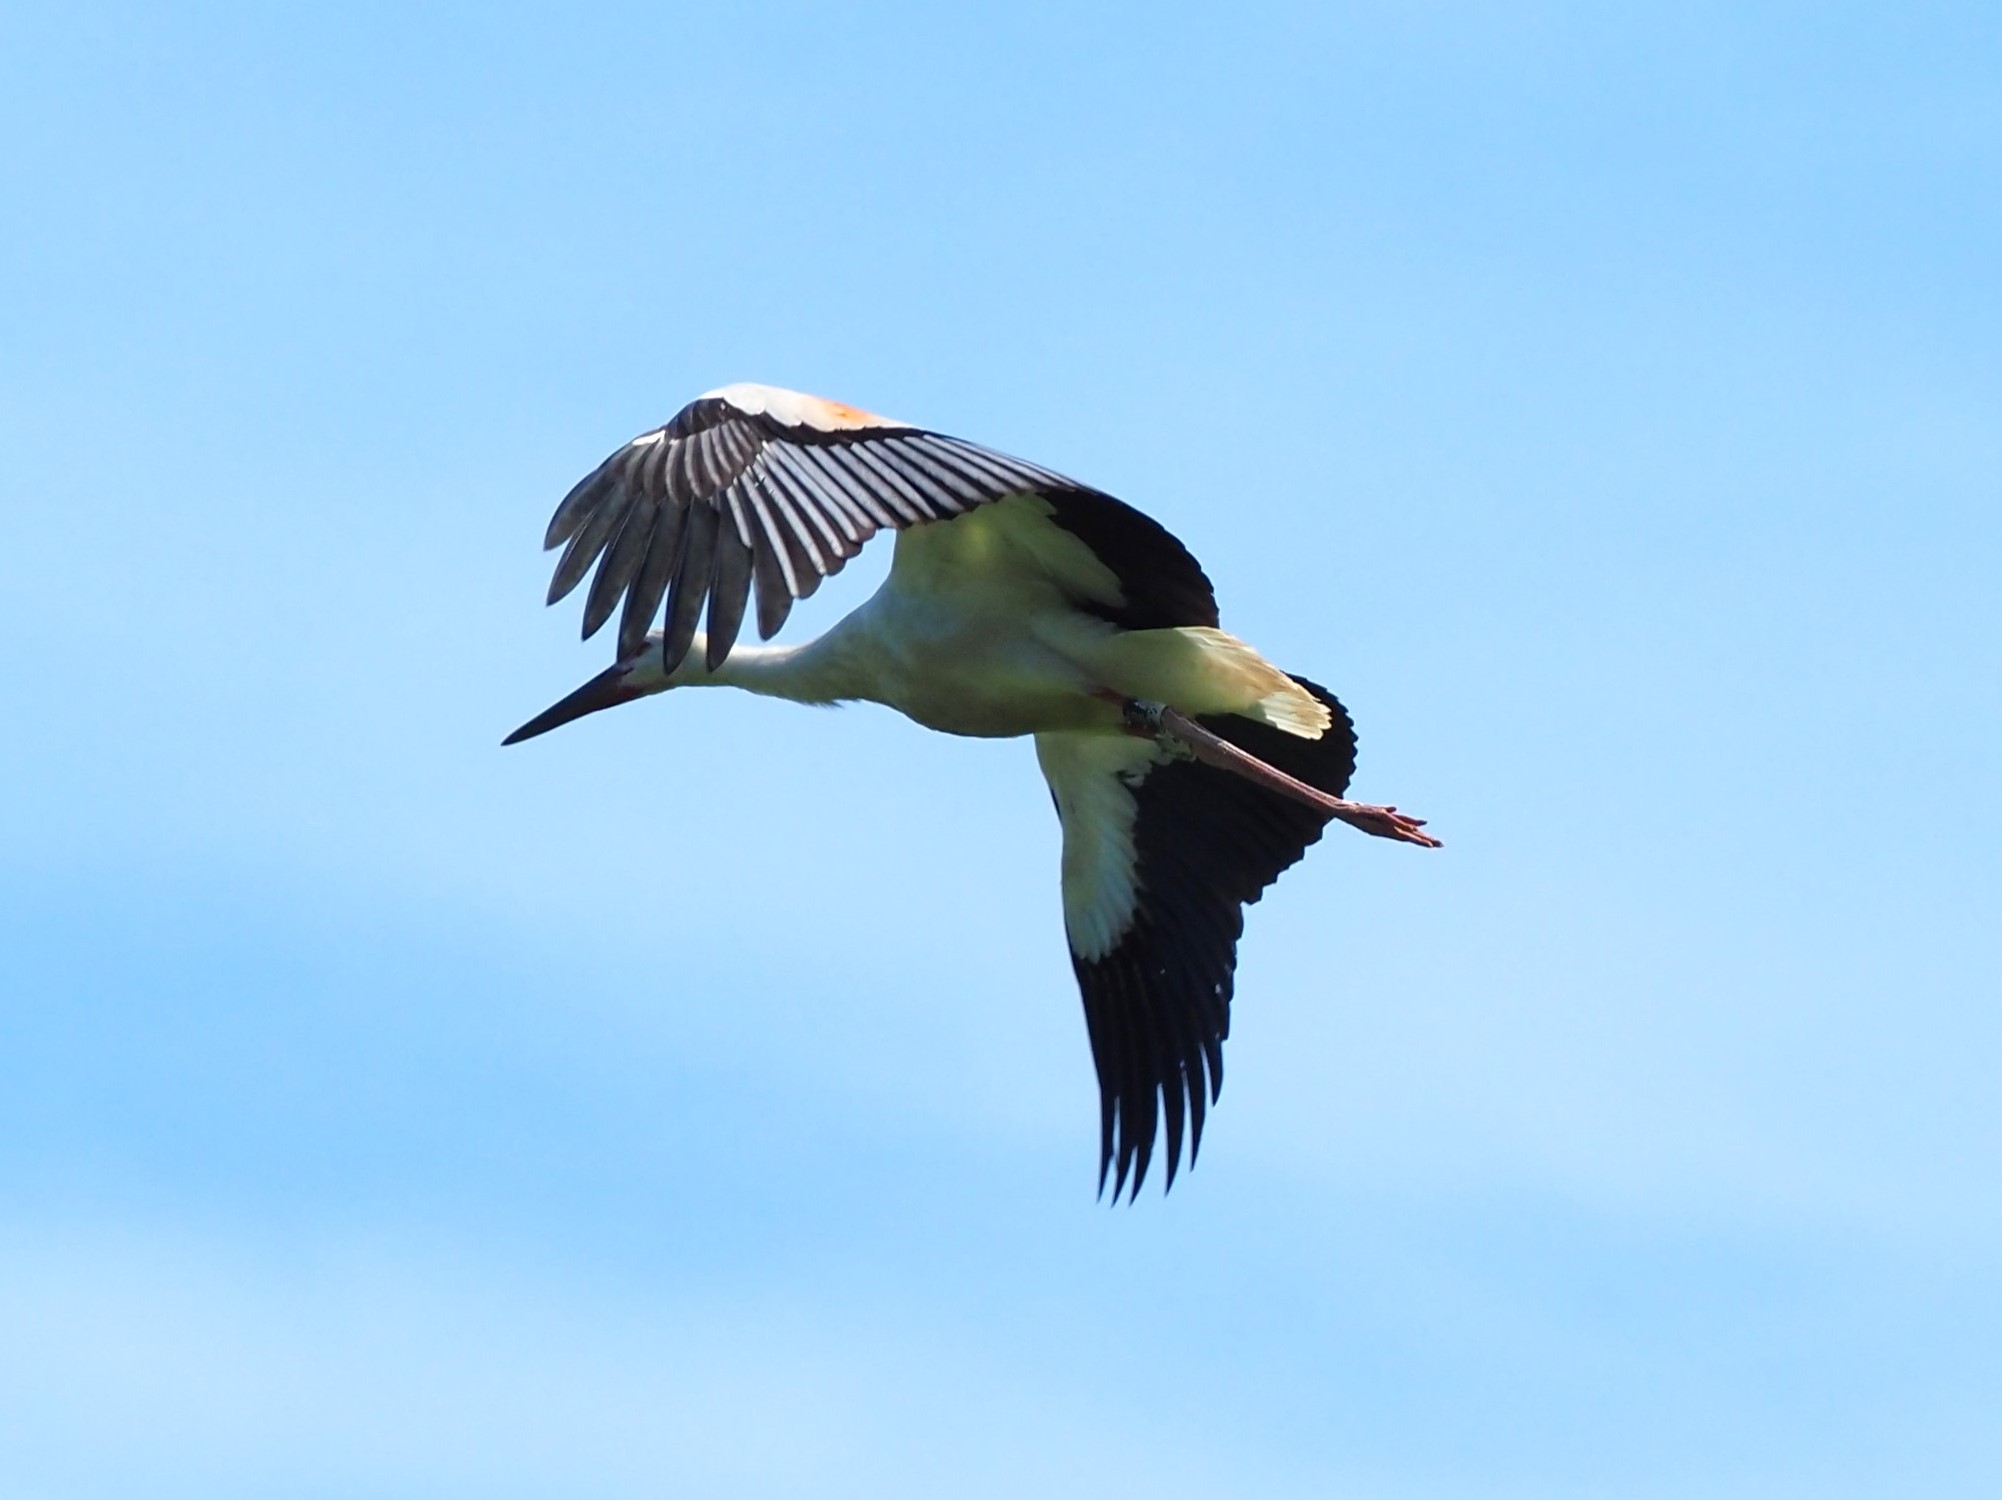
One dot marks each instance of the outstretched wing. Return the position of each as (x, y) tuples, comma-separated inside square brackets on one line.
[(752, 484), (1161, 855)]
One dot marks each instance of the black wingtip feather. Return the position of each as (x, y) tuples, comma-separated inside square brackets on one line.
[(588, 543), (691, 584), (622, 560), (729, 593), (774, 602), (575, 508)]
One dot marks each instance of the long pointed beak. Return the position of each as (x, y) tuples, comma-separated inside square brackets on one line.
[(608, 689)]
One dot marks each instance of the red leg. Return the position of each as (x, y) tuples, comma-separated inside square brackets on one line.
[(1157, 720)]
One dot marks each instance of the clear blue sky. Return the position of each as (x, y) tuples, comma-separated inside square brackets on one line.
[(1605, 400)]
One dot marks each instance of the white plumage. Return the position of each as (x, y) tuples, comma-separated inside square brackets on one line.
[(1188, 771)]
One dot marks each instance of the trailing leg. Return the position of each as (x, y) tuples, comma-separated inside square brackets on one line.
[(1160, 721)]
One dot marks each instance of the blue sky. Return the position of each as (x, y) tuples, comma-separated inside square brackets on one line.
[(1603, 400)]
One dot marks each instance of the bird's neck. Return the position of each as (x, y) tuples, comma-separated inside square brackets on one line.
[(820, 671)]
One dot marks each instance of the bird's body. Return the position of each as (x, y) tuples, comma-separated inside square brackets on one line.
[(1018, 603), (974, 633), (965, 647)]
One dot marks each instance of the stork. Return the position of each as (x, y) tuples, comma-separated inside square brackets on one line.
[(1187, 770)]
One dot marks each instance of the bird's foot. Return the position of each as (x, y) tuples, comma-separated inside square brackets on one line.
[(1385, 823)]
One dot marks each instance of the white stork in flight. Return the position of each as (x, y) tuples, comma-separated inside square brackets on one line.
[(1187, 770)]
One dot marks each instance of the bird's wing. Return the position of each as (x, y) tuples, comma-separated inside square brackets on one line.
[(755, 484), (1161, 855)]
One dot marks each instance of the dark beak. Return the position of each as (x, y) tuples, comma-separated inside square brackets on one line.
[(607, 690)]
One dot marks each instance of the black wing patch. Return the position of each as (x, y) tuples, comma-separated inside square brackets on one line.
[(1157, 1006), (1160, 582), (724, 500)]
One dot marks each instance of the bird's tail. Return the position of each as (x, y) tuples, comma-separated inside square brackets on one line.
[(1204, 671)]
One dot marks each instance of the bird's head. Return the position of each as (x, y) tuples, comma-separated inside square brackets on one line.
[(636, 677)]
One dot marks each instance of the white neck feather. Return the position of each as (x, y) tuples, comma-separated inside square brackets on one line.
[(817, 672)]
